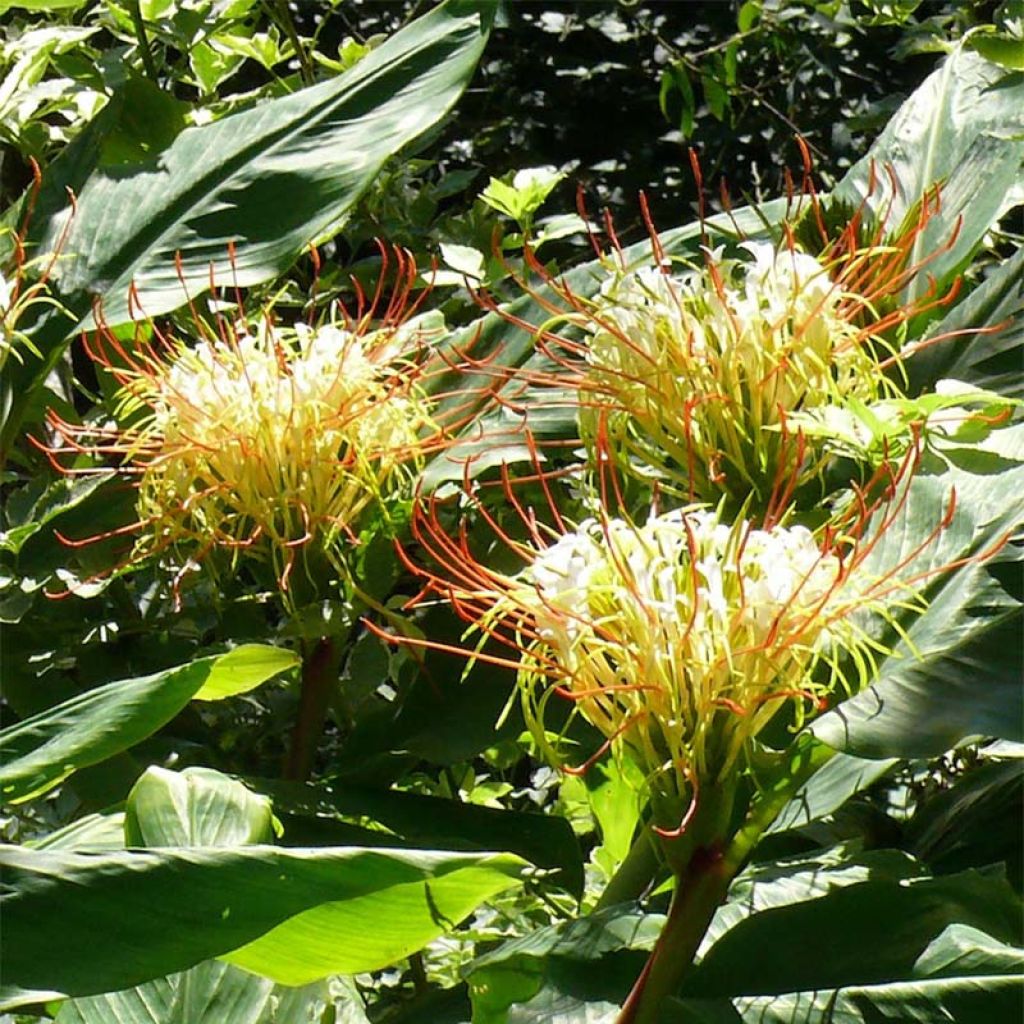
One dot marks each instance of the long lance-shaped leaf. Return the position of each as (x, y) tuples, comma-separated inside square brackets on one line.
[(298, 914), (40, 752), (267, 181), (963, 130), (957, 673), (419, 820), (199, 807)]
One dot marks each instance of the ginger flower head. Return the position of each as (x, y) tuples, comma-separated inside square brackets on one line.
[(691, 371), (679, 638), (688, 372), (279, 445)]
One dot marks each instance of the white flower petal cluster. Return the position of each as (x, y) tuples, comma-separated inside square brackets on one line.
[(273, 380), (279, 437), (681, 617), (685, 564), (697, 368)]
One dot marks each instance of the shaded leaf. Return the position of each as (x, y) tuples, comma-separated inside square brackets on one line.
[(543, 839), (978, 980), (991, 361), (868, 933), (977, 821)]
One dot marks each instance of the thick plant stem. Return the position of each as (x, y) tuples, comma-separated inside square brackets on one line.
[(697, 896), (319, 676), (703, 875)]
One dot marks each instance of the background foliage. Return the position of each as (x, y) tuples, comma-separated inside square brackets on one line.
[(433, 868)]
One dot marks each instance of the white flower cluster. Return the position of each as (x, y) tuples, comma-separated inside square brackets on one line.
[(691, 373), (693, 631), (273, 380), (780, 291), (685, 570), (280, 438)]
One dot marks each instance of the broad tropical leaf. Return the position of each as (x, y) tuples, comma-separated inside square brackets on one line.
[(957, 673), (196, 807), (829, 788), (290, 915), (40, 752), (201, 807), (545, 840), (963, 130), (266, 181)]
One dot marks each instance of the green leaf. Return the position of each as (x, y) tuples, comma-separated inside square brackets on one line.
[(249, 179), (957, 672), (521, 199), (543, 839), (464, 260), (593, 960), (675, 81), (213, 992), (196, 807), (40, 5), (29, 510), (871, 932), (979, 981), (992, 360), (749, 14), (1002, 48), (290, 915), (40, 752), (244, 668), (267, 181), (828, 789), (976, 822), (964, 129), (93, 833), (598, 958)]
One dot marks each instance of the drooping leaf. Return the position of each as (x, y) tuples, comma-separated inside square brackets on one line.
[(40, 752), (962, 129), (290, 915), (267, 181), (545, 840)]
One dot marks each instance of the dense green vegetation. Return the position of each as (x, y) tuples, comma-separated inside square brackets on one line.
[(511, 511)]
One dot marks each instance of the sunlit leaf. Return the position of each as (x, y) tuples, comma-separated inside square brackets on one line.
[(42, 751), (290, 915)]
